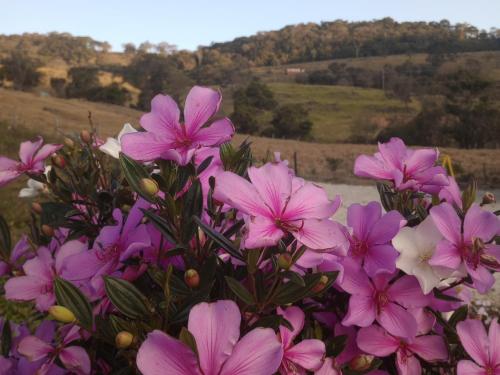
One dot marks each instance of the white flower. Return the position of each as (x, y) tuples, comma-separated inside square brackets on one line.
[(34, 187), (112, 147), (416, 246)]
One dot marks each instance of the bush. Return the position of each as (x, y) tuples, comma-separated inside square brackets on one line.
[(21, 70), (291, 121)]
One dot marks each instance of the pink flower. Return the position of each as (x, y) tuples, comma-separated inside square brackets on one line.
[(375, 340), (451, 193), (408, 169), (167, 138), (467, 244), (305, 355), (31, 155), (370, 242), (216, 329), (74, 358), (277, 203), (378, 299), (483, 349)]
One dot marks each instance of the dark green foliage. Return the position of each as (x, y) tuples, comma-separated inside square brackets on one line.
[(291, 121), (21, 70)]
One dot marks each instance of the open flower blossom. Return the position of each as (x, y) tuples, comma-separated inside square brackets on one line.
[(216, 330), (31, 155), (416, 247), (372, 232), (483, 348), (167, 138), (113, 146), (375, 340), (305, 355), (20, 251), (74, 358), (277, 203), (377, 299), (407, 169), (467, 244)]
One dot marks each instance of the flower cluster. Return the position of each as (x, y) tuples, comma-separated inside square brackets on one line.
[(165, 251)]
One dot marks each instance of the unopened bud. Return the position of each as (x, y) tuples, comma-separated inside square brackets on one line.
[(69, 142), (85, 136), (488, 198), (192, 278), (36, 208), (62, 314), (150, 186), (47, 230), (126, 208), (361, 362), (321, 284), (58, 161), (124, 339), (285, 261)]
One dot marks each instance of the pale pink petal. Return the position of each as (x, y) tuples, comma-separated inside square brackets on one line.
[(274, 185), (7, 164), (446, 255), (144, 146), (308, 354), (258, 352), (164, 116), (376, 341), (239, 193), (201, 104), (8, 170), (161, 354), (384, 229), (393, 152), (355, 280), (406, 291), (362, 218), (75, 359), (218, 132), (33, 348), (23, 288), (216, 329), (494, 342), (361, 311), (310, 202), (480, 223), (295, 316), (407, 365), (323, 235), (28, 149), (328, 368), (431, 348), (474, 339), (421, 160), (46, 151), (466, 367), (262, 231), (369, 166), (447, 221), (397, 321)]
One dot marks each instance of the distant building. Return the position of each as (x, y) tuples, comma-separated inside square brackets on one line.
[(292, 71)]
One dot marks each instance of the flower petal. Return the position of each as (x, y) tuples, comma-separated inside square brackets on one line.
[(262, 231), (361, 311), (372, 167), (466, 367), (431, 348), (447, 221), (164, 116), (380, 258), (446, 255), (258, 352), (295, 316), (201, 104), (494, 342), (397, 321), (406, 291), (480, 223), (216, 329), (218, 132), (474, 340), (385, 228), (33, 348), (376, 341), (323, 235), (75, 359), (407, 364), (308, 354), (23, 288), (28, 149), (362, 218), (310, 202), (46, 151), (144, 146)]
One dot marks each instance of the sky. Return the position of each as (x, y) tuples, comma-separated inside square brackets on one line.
[(191, 23)]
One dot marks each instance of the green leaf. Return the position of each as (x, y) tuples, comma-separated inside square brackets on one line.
[(5, 239), (69, 296), (272, 321), (291, 292), (6, 339), (161, 224), (294, 278), (239, 290), (218, 238), (445, 297), (338, 344), (126, 298), (193, 206), (459, 315), (134, 173), (187, 338), (54, 213), (204, 165)]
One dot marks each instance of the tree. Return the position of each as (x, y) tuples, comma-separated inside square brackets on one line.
[(164, 48), (291, 121), (21, 70), (129, 48), (145, 47), (82, 81)]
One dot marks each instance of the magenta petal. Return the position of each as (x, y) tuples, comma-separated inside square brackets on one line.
[(361, 311), (362, 218), (466, 367), (407, 364), (201, 104), (355, 280), (33, 348), (447, 222), (446, 255), (482, 279), (295, 316), (82, 266), (328, 368), (406, 291), (218, 132), (386, 228), (494, 342), (323, 235), (262, 231), (421, 160), (393, 152), (368, 166), (75, 359), (164, 115), (380, 258), (23, 288), (216, 329), (474, 340), (143, 146), (46, 151), (310, 202), (431, 348), (161, 354), (480, 223), (8, 171), (308, 354), (397, 321), (28, 149), (258, 352), (376, 341)]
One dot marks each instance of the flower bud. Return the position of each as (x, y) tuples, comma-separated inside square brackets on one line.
[(478, 245), (126, 208), (85, 136), (47, 230), (58, 161), (36, 208), (321, 284), (61, 314), (361, 362), (150, 186), (488, 198), (192, 278), (69, 142), (124, 339), (285, 261)]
